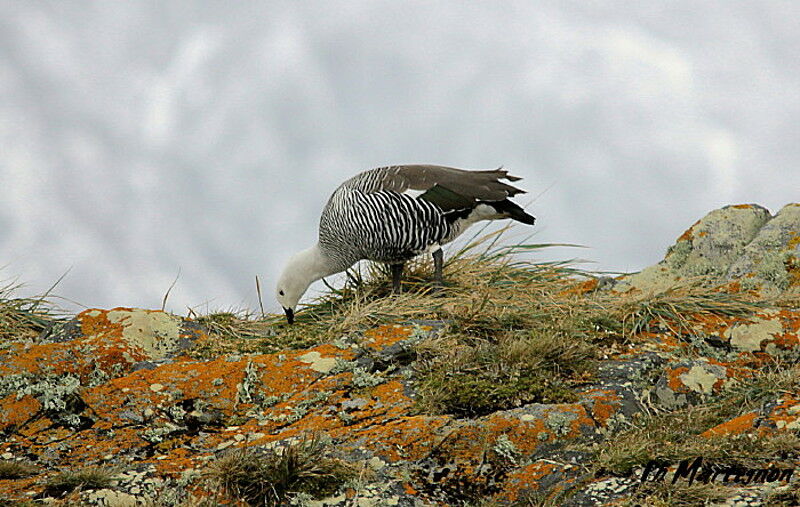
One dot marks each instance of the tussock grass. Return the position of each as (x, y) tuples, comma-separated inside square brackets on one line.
[(675, 307), (16, 469), (272, 477), (486, 286), (517, 331), (23, 318), (467, 376), (67, 482)]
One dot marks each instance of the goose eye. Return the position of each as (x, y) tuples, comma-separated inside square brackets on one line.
[(280, 292)]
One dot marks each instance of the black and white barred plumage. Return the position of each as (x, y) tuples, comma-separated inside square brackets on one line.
[(392, 214), (384, 226)]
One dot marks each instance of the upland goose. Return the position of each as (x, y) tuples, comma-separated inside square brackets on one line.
[(392, 214)]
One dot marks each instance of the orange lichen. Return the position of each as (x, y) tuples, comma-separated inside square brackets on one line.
[(581, 288), (14, 412), (526, 478), (581, 421), (742, 206), (387, 335), (405, 438), (794, 240), (34, 427), (667, 341), (786, 413), (605, 404), (735, 426), (713, 324), (94, 322), (674, 381), (524, 434), (688, 234), (259, 399), (10, 489), (409, 489)]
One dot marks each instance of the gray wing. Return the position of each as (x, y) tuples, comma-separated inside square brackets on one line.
[(470, 185)]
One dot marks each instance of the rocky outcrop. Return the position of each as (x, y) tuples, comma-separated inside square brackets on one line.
[(741, 244), (120, 390)]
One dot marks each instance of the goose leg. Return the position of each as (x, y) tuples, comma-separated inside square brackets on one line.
[(397, 273), (438, 261)]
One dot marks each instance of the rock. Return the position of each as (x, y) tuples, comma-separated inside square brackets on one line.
[(772, 259), (742, 244), (118, 390)]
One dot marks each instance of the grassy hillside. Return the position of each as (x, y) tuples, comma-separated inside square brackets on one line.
[(506, 333)]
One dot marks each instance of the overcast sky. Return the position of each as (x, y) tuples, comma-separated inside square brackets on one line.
[(141, 138)]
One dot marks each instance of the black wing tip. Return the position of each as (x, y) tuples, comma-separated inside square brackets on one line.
[(512, 210), (526, 219)]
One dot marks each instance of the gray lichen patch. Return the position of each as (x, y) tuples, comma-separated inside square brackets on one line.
[(157, 333), (55, 393), (678, 254), (363, 379), (668, 398), (748, 337), (559, 422), (701, 377), (317, 362), (246, 389), (506, 449)]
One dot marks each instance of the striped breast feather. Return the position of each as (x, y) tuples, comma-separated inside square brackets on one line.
[(391, 218)]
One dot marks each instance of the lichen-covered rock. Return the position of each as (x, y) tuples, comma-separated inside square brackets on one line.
[(772, 259), (98, 345), (782, 414), (690, 382), (708, 248), (117, 390), (740, 243)]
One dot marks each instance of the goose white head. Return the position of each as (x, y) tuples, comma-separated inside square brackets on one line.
[(303, 269)]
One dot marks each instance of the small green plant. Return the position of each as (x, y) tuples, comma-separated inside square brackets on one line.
[(272, 477), (67, 482), (16, 469)]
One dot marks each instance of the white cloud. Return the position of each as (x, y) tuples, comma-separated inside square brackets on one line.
[(143, 138)]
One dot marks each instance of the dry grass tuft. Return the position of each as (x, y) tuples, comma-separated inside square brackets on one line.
[(273, 477), (481, 280), (16, 469), (67, 482), (23, 318), (675, 307)]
